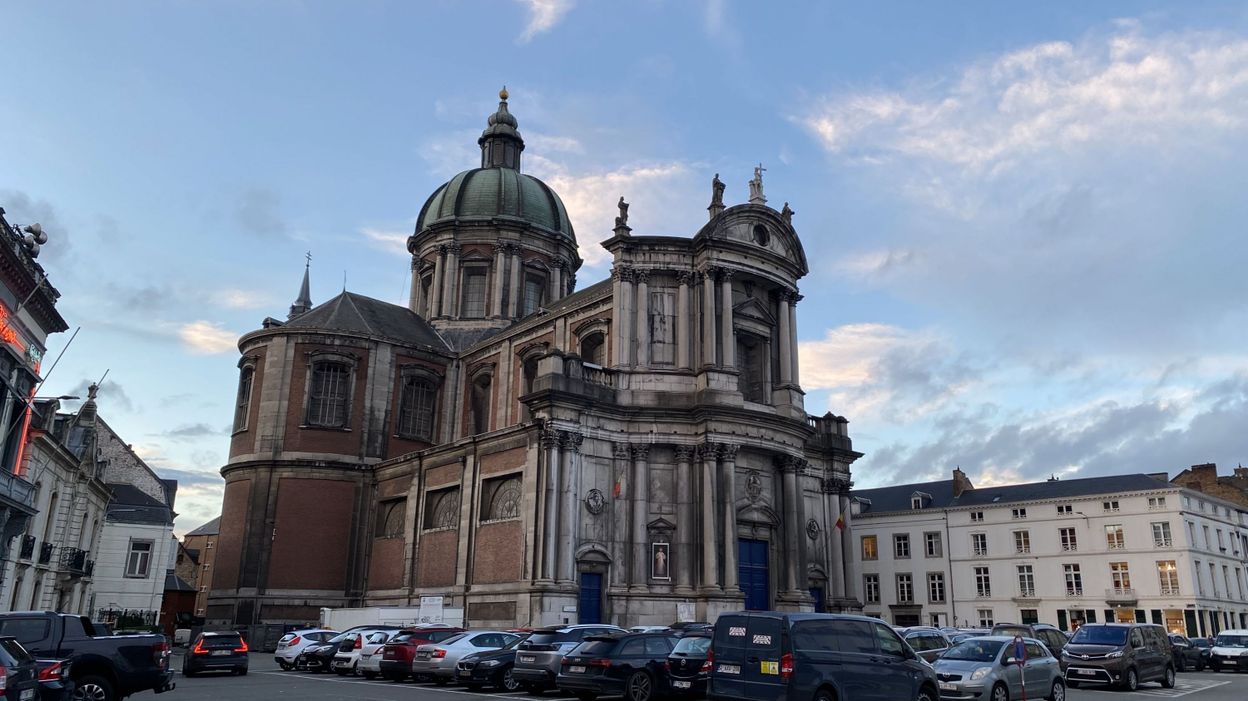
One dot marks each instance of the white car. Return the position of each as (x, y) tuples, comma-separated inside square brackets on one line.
[(351, 650), (437, 660), (372, 653), (295, 642), (649, 629), (1230, 651)]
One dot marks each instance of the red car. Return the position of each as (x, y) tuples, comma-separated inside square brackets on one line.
[(397, 655)]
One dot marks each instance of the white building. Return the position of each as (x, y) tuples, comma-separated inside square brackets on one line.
[(1122, 548)]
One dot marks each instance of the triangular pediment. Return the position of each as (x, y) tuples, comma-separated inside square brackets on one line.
[(754, 309), (661, 524)]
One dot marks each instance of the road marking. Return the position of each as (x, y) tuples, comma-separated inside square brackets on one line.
[(1181, 688), (391, 685)]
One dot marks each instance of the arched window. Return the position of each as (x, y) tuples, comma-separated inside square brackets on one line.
[(500, 498), (328, 393), (479, 403), (594, 349), (442, 509), (242, 407), (51, 517), (752, 366), (416, 408), (390, 518)]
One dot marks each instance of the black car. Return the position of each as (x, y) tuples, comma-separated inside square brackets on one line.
[(1206, 649), (609, 665), (216, 652), (687, 666), (1186, 655), (54, 681), (682, 628), (21, 672), (492, 667)]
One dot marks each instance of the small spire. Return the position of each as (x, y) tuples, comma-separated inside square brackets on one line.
[(501, 142), (304, 302)]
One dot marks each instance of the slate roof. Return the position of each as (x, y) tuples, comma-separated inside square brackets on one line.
[(131, 505), (213, 527), (370, 317), (897, 497), (175, 583)]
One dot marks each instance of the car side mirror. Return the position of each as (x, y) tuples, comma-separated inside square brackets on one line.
[(1009, 661)]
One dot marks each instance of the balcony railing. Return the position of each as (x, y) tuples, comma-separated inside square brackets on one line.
[(1170, 591), (1074, 591), (1162, 543), (74, 561), (1120, 594), (45, 553), (27, 550), (17, 489), (1027, 595)]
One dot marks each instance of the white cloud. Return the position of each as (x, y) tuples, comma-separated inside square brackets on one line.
[(543, 16), (234, 298), (207, 338), (389, 241)]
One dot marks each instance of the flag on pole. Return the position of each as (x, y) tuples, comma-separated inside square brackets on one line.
[(840, 522)]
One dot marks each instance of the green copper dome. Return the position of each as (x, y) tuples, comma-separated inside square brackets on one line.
[(497, 193)]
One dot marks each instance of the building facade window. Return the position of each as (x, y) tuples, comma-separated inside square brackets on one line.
[(534, 293), (977, 517), (1161, 535), (905, 589), (1074, 580), (1022, 542), (480, 397), (1018, 513), (752, 367), (1065, 509), (932, 545), (500, 498), (139, 559), (416, 407), (936, 587), (870, 548), (901, 546), (916, 502), (1213, 580), (442, 509), (473, 292), (594, 349), (871, 588), (1026, 581), (1155, 503), (1120, 576), (1114, 538), (1200, 583), (1221, 542), (1168, 575), (1208, 540), (242, 407), (330, 388), (979, 543), (663, 327), (983, 583), (1029, 616), (1067, 537), (390, 517), (985, 618), (1110, 505)]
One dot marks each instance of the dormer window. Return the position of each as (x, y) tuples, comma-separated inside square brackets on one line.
[(916, 502)]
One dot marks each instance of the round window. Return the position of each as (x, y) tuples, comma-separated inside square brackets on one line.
[(761, 235)]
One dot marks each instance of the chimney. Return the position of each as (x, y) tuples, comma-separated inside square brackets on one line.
[(1241, 472), (960, 483)]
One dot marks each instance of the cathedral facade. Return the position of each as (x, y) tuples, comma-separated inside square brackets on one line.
[(535, 454)]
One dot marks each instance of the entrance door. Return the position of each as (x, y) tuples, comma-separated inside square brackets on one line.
[(589, 608), (816, 593), (753, 574)]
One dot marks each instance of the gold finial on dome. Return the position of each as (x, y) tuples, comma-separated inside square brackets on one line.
[(502, 94)]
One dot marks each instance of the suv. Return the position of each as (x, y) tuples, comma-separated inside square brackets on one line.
[(775, 656), (225, 650), (1230, 651), (538, 658), (1123, 654)]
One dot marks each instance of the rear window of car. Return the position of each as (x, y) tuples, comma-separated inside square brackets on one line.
[(222, 640), (548, 638), (26, 630), (693, 646), (15, 650), (438, 636), (596, 647), (452, 639)]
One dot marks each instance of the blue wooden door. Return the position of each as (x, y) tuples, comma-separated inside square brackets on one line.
[(816, 593), (589, 608), (753, 574)]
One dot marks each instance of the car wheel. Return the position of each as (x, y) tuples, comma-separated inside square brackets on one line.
[(824, 695), (925, 694), (639, 687), (1000, 693), (286, 666), (1200, 665), (506, 681), (187, 673), (439, 681), (369, 675), (1167, 678), (1058, 692), (1132, 680), (93, 688), (242, 672)]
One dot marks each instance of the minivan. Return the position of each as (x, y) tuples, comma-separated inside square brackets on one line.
[(777, 656), (1121, 654), (1230, 651)]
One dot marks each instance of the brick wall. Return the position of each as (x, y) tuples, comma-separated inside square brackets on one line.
[(385, 571), (439, 553), (124, 466), (244, 441), (499, 553), (318, 440), (503, 461), (1204, 478), (313, 538), (233, 526)]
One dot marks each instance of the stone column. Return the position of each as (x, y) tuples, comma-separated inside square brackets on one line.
[(641, 511), (684, 519), (569, 514), (643, 317), (439, 272), (621, 276), (414, 296), (627, 328), (683, 340), (496, 290), (708, 316), (728, 486), (450, 281), (793, 300), (786, 339), (710, 559), (621, 515), (513, 300), (835, 565), (726, 332), (550, 531), (552, 281), (853, 568)]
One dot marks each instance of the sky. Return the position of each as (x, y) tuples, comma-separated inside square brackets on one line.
[(1025, 221)]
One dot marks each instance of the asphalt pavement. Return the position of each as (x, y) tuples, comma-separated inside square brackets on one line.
[(266, 682)]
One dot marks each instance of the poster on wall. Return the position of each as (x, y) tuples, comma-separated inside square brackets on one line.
[(660, 561), (431, 609), (686, 611)]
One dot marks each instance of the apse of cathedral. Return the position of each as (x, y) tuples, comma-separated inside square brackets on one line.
[(632, 452)]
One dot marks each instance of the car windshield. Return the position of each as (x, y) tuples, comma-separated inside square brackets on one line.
[(340, 637), (454, 638), (1200, 642), (975, 650), (1232, 641), (692, 646), (1100, 635)]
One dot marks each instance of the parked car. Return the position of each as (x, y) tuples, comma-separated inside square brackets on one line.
[(397, 655), (649, 629), (370, 651), (1205, 645), (929, 643), (317, 658), (629, 664), (102, 667), (803, 656), (985, 667), (1122, 654), (1229, 651), (1186, 655), (54, 681), (295, 642), (225, 650), (19, 678), (687, 666), (347, 656), (1052, 636), (538, 657), (437, 660), (688, 627), (492, 667)]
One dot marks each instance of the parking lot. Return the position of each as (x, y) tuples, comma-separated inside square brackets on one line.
[(266, 682)]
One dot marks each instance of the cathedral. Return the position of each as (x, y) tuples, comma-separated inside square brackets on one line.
[(630, 452)]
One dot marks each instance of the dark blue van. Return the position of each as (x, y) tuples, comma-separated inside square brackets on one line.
[(776, 656)]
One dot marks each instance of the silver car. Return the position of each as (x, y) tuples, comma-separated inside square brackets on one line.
[(985, 667), (437, 660), (539, 657)]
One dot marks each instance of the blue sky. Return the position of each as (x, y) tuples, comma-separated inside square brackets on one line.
[(1025, 221)]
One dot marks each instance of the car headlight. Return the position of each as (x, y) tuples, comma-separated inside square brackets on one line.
[(1116, 653), (980, 673), (490, 663)]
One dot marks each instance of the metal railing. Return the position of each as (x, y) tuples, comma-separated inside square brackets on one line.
[(17, 489), (1170, 591), (74, 560)]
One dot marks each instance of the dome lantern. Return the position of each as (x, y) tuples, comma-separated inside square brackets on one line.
[(501, 143)]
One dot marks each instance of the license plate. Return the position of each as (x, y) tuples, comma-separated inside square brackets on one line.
[(729, 669), (680, 685), (465, 673), (28, 694), (576, 669), (1088, 672), (948, 686), (220, 653), (422, 655), (528, 659)]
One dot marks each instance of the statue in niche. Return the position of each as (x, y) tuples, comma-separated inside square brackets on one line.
[(717, 191)]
